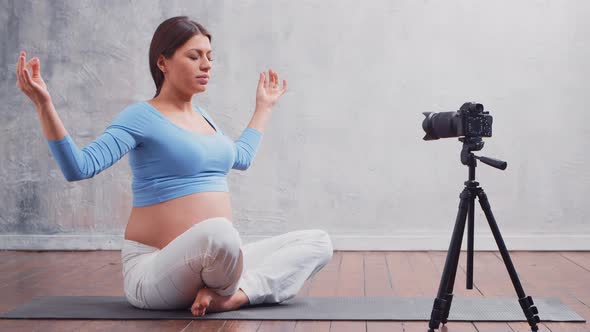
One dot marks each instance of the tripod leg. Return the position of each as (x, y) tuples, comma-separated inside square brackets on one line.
[(450, 285), (442, 303), (526, 302), (470, 233)]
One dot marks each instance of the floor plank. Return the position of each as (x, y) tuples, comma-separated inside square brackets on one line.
[(276, 326), (205, 326), (241, 326), (309, 326), (351, 282), (378, 283), (579, 258)]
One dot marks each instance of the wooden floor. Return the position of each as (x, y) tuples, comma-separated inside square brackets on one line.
[(26, 274)]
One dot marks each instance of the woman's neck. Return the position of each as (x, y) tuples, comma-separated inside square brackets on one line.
[(173, 102)]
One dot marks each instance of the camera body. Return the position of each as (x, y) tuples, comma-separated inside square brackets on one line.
[(469, 121), (474, 121)]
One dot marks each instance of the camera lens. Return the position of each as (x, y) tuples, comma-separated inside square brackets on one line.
[(441, 125)]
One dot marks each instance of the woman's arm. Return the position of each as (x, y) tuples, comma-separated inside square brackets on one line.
[(267, 94), (75, 164), (53, 128), (79, 164), (260, 119), (30, 82)]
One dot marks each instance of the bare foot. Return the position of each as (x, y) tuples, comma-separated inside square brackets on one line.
[(209, 301)]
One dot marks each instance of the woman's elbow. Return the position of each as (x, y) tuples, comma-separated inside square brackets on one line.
[(75, 176), (243, 160), (72, 178), (242, 166)]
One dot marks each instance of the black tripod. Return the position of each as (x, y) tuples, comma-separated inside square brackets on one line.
[(444, 297)]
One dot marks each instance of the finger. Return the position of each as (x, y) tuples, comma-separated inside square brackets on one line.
[(264, 80), (284, 86), (25, 85), (27, 77), (18, 63), (35, 67), (32, 86), (277, 81), (19, 70), (23, 59), (274, 79), (29, 65), (260, 80), (22, 77), (16, 71)]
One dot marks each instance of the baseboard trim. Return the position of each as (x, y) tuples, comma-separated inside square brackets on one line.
[(398, 242), (437, 242)]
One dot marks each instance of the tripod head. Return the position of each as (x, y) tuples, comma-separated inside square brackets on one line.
[(476, 144)]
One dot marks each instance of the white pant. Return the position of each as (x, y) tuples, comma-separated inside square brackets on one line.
[(210, 254)]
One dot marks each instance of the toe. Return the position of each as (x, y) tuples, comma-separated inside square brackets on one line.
[(198, 312)]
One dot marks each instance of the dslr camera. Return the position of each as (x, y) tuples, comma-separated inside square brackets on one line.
[(469, 121)]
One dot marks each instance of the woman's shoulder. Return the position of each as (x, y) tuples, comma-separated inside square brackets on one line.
[(136, 107), (135, 110), (134, 115)]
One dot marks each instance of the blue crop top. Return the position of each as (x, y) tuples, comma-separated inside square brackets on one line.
[(166, 161)]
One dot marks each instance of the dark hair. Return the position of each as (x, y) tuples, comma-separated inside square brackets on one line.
[(169, 36)]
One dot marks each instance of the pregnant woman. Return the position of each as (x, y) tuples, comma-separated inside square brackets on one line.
[(181, 249)]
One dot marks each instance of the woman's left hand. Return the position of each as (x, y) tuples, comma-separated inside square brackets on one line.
[(269, 90)]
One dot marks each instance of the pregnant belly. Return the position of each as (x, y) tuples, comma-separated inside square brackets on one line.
[(156, 225)]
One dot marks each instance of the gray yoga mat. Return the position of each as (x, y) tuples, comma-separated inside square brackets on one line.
[(300, 308)]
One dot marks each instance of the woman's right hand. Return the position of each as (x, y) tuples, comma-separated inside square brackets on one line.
[(32, 86)]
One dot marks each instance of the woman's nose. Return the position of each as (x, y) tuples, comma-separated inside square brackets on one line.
[(205, 64)]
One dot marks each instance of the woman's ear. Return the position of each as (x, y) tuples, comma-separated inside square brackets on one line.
[(161, 63)]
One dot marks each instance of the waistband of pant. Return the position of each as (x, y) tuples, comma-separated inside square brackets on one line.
[(137, 247), (130, 246)]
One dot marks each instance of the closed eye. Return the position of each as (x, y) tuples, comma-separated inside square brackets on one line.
[(209, 58), (195, 54)]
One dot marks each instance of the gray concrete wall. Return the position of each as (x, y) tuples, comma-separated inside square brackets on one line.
[(344, 149)]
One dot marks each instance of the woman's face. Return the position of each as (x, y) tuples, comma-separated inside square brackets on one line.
[(188, 70)]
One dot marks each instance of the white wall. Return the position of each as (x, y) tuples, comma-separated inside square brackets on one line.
[(344, 149)]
